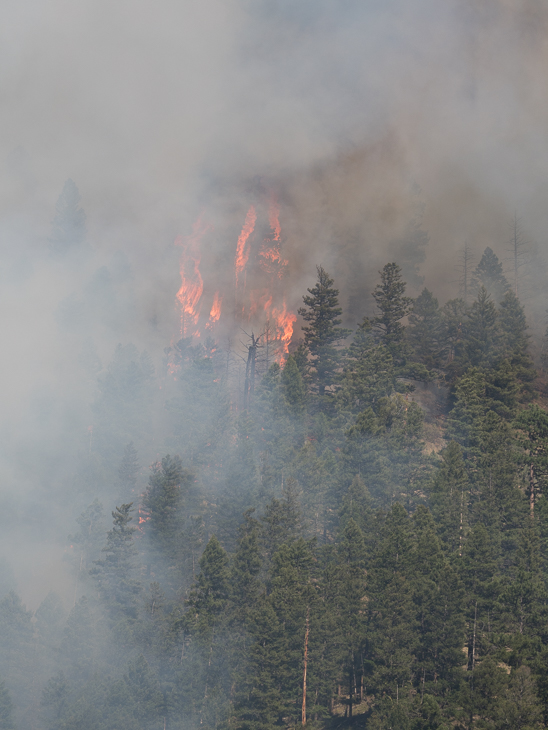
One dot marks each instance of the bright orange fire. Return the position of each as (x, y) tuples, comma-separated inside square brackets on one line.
[(242, 252), (192, 284), (215, 310), (270, 250), (284, 322)]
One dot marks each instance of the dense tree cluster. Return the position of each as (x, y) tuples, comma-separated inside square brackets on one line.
[(365, 544)]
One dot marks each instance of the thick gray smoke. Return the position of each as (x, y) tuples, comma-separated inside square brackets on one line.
[(366, 118)]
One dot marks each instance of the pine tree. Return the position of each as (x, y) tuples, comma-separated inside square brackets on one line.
[(514, 342), (210, 594), (532, 425), (351, 617), (391, 608), (482, 337), (449, 498), (489, 275), (116, 572), (393, 306), (323, 333), (369, 373), (293, 388), (425, 331), (162, 503)]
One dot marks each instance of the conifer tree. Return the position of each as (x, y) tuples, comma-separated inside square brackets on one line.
[(162, 502), (449, 498), (514, 342), (482, 338), (351, 617), (489, 275), (425, 331), (323, 334), (116, 572), (369, 373), (393, 306), (392, 611), (209, 596), (293, 388)]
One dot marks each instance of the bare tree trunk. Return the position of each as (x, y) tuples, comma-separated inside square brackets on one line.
[(306, 632)]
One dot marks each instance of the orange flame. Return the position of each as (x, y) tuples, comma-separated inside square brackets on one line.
[(242, 252), (270, 251), (215, 310), (284, 322), (192, 284)]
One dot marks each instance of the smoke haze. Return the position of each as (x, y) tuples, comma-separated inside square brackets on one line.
[(362, 117)]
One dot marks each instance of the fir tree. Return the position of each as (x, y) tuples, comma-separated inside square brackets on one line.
[(162, 502), (323, 333), (393, 306), (293, 388), (425, 331), (116, 572), (489, 275)]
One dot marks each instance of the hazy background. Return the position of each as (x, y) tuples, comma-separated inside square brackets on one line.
[(363, 116)]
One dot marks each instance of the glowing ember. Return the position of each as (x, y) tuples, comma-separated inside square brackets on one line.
[(192, 284), (242, 251)]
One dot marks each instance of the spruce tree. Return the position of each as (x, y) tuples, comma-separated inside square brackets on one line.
[(393, 306), (482, 335), (323, 334), (293, 388), (162, 503), (116, 573), (489, 275), (425, 331)]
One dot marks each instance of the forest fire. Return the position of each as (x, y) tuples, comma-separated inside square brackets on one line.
[(192, 284), (272, 261), (242, 250), (258, 259), (215, 312), (284, 322)]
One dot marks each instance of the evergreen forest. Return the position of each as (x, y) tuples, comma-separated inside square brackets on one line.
[(356, 535)]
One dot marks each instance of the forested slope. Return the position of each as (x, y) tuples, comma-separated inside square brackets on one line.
[(314, 548)]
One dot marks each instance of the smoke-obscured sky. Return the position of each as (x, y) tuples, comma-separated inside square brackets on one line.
[(357, 112)]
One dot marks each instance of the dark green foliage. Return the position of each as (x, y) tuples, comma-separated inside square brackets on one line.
[(408, 580), (369, 373), (425, 331), (293, 388), (482, 336), (322, 334), (393, 306)]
